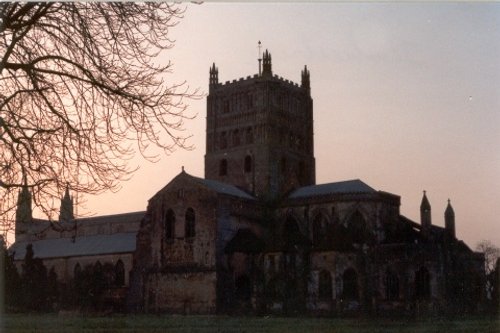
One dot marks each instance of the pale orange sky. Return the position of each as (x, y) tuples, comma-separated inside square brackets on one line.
[(406, 98)]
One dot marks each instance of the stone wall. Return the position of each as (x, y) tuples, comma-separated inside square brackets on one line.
[(65, 267), (183, 293)]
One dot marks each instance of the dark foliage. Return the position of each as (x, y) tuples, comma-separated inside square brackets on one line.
[(34, 282), (12, 281)]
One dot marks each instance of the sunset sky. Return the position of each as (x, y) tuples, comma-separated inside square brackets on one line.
[(406, 98)]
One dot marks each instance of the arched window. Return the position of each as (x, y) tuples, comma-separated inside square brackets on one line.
[(350, 284), (318, 229), (248, 164), (358, 228), (236, 137), (223, 167), (291, 233), (291, 139), (325, 285), (302, 172), (77, 271), (170, 225), (250, 101), (283, 165), (190, 223), (422, 283), (119, 273), (249, 136), (223, 140), (391, 285)]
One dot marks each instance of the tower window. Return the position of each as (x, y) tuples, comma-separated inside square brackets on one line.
[(223, 140), (236, 138), (249, 136), (291, 140), (248, 164), (223, 167), (170, 224), (190, 223), (302, 172), (250, 101)]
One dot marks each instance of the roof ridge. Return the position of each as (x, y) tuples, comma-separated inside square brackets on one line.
[(108, 215), (225, 188), (345, 186)]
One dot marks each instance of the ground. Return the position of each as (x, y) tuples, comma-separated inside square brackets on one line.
[(222, 324)]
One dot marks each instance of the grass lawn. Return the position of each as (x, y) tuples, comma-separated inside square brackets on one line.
[(221, 324)]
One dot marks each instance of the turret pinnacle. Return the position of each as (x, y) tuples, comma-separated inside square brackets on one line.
[(66, 212), (213, 76), (306, 81), (23, 211), (266, 65), (425, 212), (449, 220)]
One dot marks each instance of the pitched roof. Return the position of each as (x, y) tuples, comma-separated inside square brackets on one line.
[(224, 188), (81, 246), (348, 186), (118, 218)]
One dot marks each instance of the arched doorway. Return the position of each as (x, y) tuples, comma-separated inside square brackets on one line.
[(422, 283), (350, 285)]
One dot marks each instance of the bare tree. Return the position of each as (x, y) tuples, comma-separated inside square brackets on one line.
[(491, 255), (80, 94)]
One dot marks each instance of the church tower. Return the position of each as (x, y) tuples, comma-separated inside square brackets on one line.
[(260, 132)]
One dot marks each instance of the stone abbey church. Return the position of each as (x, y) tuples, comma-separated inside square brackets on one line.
[(258, 235)]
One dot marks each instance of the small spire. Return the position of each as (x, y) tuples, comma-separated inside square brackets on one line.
[(449, 209), (306, 82), (425, 212), (23, 211), (66, 193), (449, 220), (260, 58), (425, 202), (66, 212), (183, 168)]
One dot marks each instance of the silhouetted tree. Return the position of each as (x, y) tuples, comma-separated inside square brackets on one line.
[(12, 281), (491, 254), (33, 282), (495, 279), (79, 87), (91, 284)]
